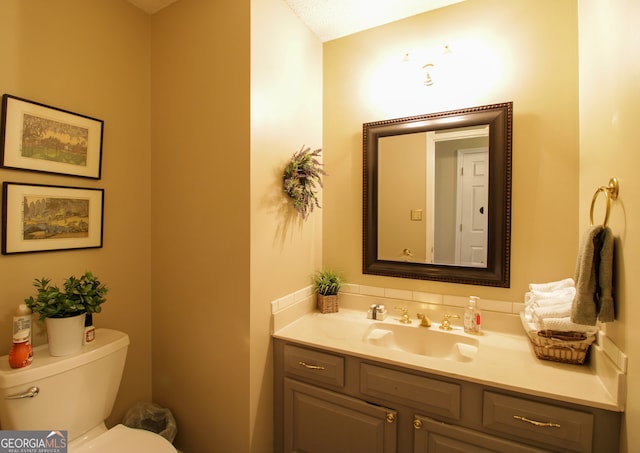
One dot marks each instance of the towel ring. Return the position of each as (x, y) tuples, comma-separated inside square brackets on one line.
[(611, 193)]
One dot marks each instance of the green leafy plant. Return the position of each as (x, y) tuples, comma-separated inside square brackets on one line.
[(327, 282), (80, 295), (302, 176)]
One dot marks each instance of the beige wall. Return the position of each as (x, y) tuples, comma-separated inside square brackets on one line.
[(200, 220), (249, 247), (286, 113), (91, 58), (609, 112), (525, 52), (403, 184)]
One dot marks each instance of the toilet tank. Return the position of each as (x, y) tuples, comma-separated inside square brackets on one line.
[(76, 392)]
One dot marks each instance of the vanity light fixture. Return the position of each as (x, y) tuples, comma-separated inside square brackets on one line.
[(428, 67), (428, 81)]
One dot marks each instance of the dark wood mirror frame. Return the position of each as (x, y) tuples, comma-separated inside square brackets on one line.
[(499, 117)]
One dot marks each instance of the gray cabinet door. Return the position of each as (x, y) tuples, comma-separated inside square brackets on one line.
[(432, 436), (321, 421)]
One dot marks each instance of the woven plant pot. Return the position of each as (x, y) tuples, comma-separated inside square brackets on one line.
[(328, 304)]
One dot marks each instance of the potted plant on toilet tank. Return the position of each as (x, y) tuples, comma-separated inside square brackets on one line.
[(327, 283), (64, 310)]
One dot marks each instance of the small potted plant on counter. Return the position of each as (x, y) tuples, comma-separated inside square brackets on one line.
[(327, 283), (64, 311)]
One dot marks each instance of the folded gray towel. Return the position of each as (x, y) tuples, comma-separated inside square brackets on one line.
[(594, 278)]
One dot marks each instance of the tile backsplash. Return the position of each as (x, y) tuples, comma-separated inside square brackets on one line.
[(497, 315), (399, 296)]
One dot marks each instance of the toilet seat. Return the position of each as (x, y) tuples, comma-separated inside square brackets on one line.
[(123, 439)]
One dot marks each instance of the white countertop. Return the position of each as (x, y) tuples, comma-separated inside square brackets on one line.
[(503, 360)]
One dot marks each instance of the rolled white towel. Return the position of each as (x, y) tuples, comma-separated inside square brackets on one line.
[(537, 299), (552, 311), (552, 286), (555, 294), (527, 324), (528, 298), (565, 325), (560, 305), (533, 305), (553, 302)]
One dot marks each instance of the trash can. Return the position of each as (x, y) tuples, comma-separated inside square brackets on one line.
[(152, 417)]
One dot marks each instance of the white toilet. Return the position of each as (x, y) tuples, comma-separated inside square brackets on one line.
[(75, 393)]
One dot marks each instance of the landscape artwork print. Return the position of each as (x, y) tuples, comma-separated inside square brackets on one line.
[(38, 217), (38, 137), (55, 218), (47, 139)]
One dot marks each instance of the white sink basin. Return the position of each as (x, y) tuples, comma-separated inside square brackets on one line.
[(432, 342)]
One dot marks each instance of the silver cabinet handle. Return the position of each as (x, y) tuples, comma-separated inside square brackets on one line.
[(33, 391)]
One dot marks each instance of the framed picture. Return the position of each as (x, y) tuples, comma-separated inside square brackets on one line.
[(37, 137), (39, 218)]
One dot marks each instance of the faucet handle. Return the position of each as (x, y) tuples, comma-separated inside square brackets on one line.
[(446, 324), (405, 318)]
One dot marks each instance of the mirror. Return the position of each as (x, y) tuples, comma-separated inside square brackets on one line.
[(437, 196)]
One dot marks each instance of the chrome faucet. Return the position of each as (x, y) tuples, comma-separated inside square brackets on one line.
[(377, 312)]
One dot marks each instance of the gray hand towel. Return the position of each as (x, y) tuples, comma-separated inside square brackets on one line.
[(594, 271), (604, 294)]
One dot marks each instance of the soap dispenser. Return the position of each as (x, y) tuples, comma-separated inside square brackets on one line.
[(472, 316)]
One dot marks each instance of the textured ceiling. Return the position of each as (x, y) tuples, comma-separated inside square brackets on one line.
[(331, 19)]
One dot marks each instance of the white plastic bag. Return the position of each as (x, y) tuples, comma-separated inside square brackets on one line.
[(152, 417)]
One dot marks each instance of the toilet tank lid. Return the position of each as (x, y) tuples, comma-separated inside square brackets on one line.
[(107, 341)]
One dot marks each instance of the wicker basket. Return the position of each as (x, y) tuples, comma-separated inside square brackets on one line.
[(565, 347), (328, 304)]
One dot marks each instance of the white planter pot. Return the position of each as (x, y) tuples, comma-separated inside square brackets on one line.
[(65, 334)]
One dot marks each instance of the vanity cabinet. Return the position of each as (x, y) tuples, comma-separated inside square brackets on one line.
[(328, 402), (433, 436), (318, 420)]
